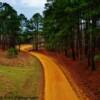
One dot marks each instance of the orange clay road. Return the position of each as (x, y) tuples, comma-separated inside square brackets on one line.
[(57, 87)]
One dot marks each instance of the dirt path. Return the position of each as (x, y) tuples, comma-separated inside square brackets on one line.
[(57, 87)]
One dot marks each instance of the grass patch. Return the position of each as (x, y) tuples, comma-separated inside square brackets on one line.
[(22, 79)]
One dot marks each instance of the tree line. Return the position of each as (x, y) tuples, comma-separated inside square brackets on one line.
[(69, 26), (17, 29), (73, 26)]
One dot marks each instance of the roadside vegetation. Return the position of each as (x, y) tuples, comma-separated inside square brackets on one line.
[(20, 77), (20, 73)]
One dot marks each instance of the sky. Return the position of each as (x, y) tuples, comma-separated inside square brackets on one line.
[(27, 7)]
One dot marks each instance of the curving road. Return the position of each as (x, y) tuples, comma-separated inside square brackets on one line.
[(57, 87)]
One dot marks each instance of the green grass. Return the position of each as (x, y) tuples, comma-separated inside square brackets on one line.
[(20, 81)]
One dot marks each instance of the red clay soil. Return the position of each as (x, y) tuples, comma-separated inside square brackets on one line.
[(87, 80)]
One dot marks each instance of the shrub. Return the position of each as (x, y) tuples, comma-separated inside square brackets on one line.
[(12, 52), (97, 57)]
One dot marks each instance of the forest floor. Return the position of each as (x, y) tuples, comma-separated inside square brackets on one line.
[(20, 77), (87, 81)]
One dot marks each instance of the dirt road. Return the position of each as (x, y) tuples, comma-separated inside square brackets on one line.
[(57, 87)]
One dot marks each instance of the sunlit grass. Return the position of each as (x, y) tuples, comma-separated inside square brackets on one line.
[(21, 80)]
